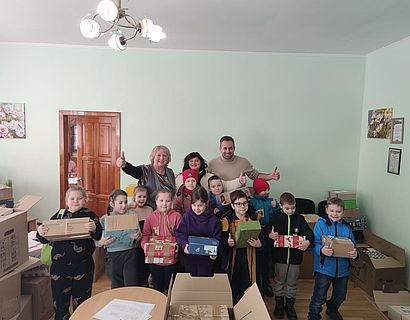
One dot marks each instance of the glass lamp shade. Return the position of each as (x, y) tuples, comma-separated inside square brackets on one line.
[(90, 28), (156, 34), (107, 10), (146, 25), (117, 42)]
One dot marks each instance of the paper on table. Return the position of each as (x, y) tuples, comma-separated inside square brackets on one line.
[(118, 309)]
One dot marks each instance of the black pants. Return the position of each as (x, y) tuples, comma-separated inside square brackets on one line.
[(122, 268), (199, 266), (143, 268), (161, 275), (264, 263), (241, 278), (70, 281)]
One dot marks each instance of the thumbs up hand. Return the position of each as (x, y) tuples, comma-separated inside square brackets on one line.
[(242, 179), (231, 242), (273, 235), (275, 175), (121, 161)]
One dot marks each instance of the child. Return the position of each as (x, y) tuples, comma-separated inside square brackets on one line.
[(140, 208), (264, 207), (287, 260), (161, 222), (183, 201), (198, 222), (328, 269), (122, 261), (242, 261), (72, 268), (215, 187)]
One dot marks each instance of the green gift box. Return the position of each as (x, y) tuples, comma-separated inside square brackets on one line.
[(350, 204), (246, 230)]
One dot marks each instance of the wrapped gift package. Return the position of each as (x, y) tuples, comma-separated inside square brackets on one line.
[(246, 230), (341, 246), (288, 241), (120, 227), (203, 246), (161, 250)]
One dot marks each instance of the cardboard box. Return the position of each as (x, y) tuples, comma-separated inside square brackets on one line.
[(161, 250), (384, 299), (399, 312), (120, 227), (226, 196), (23, 205), (9, 203), (349, 204), (288, 241), (6, 193), (25, 308), (306, 268), (66, 229), (203, 246), (341, 246), (13, 241), (387, 273), (40, 290), (311, 219), (246, 230), (215, 290), (199, 312), (351, 213), (10, 288), (342, 194)]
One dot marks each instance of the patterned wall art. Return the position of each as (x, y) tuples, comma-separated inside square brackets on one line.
[(12, 121), (379, 123)]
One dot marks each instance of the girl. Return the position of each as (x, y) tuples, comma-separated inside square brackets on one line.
[(241, 262), (198, 222), (183, 201), (72, 267), (140, 208), (121, 254), (162, 222)]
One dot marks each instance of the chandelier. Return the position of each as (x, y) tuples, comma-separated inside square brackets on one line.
[(119, 24)]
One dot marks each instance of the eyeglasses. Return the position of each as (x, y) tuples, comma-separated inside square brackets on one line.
[(241, 204)]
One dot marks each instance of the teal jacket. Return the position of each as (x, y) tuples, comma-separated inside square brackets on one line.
[(263, 208)]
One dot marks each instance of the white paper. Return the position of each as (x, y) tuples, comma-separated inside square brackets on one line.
[(397, 130), (118, 309)]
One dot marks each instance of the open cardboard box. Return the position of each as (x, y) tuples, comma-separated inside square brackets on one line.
[(385, 299), (311, 219), (387, 274), (23, 205), (216, 290)]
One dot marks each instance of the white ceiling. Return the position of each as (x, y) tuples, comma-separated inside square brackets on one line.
[(291, 26)]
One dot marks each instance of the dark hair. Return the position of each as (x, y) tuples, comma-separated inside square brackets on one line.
[(237, 194), (288, 198), (336, 201), (199, 194), (227, 138), (204, 165), (212, 178), (113, 195)]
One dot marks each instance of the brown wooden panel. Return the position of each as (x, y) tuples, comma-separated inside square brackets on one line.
[(105, 178), (89, 176), (89, 141), (105, 140), (92, 203)]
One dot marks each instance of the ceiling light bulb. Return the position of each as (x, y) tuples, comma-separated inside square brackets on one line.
[(146, 25), (107, 10), (90, 28), (117, 42)]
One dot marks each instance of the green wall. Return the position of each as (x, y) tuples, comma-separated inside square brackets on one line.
[(300, 112), (382, 196)]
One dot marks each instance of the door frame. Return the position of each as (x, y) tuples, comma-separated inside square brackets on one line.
[(63, 145)]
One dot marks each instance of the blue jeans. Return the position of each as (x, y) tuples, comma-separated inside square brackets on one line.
[(322, 284)]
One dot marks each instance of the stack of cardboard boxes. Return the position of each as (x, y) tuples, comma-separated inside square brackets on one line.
[(17, 300)]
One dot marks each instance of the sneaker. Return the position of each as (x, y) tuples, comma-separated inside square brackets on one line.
[(334, 315)]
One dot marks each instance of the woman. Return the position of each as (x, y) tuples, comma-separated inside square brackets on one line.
[(154, 176), (195, 162)]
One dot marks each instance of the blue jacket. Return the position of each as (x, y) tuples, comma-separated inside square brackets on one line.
[(331, 266), (263, 208)]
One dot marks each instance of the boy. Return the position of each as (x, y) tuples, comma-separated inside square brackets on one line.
[(264, 208), (287, 260), (215, 187), (329, 269), (241, 261)]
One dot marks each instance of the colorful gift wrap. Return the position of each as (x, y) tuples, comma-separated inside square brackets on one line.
[(288, 241), (246, 230), (161, 250), (203, 246)]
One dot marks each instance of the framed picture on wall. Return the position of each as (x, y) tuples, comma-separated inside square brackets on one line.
[(393, 162), (397, 130), (12, 120)]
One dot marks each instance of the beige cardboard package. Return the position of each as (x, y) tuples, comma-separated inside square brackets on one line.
[(25, 308), (40, 290), (66, 229), (340, 246)]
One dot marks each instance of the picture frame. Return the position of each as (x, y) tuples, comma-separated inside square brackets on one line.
[(397, 130), (394, 160)]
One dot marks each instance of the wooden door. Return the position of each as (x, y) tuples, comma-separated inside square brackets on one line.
[(98, 145)]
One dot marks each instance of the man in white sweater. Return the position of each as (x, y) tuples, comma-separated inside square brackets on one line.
[(230, 166)]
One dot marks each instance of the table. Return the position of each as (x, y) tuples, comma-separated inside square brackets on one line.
[(141, 294)]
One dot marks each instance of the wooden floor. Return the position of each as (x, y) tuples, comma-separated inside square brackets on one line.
[(357, 306)]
